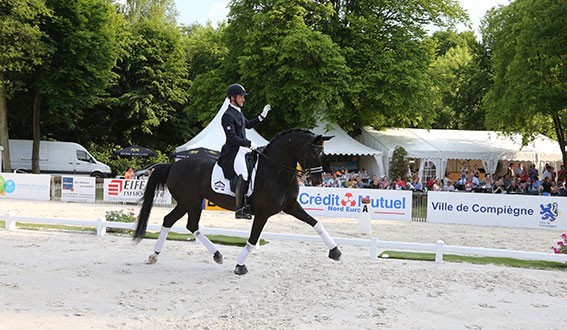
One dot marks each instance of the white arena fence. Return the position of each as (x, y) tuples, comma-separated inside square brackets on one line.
[(373, 243)]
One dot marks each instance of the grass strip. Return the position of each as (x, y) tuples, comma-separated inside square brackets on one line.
[(217, 239), (499, 261)]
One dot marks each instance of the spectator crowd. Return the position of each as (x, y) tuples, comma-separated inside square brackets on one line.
[(516, 180)]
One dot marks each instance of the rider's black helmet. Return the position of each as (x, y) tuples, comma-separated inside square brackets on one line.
[(235, 89)]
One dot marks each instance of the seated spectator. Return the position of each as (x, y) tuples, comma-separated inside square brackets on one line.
[(416, 184), (399, 184), (430, 183), (506, 180), (129, 174), (448, 186), (350, 183), (486, 181), (437, 185), (385, 183), (534, 189), (373, 183), (513, 187), (546, 188), (469, 186), (548, 172), (360, 183), (518, 170), (497, 188), (460, 184), (523, 176), (333, 181), (533, 172)]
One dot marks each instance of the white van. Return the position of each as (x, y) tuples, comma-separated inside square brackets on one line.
[(57, 158)]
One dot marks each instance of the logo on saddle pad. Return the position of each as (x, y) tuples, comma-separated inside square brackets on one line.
[(219, 186)]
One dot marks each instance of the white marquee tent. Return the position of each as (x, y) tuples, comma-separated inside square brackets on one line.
[(343, 144), (212, 137), (438, 145)]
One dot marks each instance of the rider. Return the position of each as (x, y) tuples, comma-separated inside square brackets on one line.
[(231, 159)]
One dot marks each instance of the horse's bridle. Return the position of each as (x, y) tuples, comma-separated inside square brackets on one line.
[(293, 170)]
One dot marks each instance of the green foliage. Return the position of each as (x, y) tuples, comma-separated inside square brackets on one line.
[(284, 62), (399, 164), (121, 215), (528, 39), (460, 77)]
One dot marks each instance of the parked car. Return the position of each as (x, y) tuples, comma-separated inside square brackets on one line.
[(146, 171), (57, 157)]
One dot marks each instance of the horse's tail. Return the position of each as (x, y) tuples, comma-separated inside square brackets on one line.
[(155, 181)]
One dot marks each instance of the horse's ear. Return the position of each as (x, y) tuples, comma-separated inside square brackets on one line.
[(320, 139)]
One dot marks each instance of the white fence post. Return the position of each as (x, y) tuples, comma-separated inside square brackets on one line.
[(100, 227), (439, 247), (9, 223), (373, 248)]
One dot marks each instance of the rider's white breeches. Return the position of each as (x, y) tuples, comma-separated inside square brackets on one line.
[(240, 163)]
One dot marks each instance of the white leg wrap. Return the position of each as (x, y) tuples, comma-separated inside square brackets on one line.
[(205, 241), (329, 241), (244, 253), (161, 239)]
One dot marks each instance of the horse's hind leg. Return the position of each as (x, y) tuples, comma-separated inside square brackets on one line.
[(168, 222), (193, 227)]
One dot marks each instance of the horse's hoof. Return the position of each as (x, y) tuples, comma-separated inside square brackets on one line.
[(335, 254), (152, 259), (218, 258), (240, 270)]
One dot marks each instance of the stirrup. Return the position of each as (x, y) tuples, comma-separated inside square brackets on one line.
[(243, 213)]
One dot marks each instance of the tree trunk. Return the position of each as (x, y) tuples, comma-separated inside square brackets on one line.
[(4, 136), (36, 132), (560, 136)]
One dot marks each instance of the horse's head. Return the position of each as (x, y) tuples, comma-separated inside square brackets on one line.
[(312, 159), (298, 146)]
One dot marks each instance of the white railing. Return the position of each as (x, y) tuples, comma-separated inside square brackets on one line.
[(375, 245)]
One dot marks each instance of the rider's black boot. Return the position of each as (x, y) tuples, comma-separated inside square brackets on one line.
[(242, 209)]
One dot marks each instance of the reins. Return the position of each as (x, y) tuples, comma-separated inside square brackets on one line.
[(288, 169)]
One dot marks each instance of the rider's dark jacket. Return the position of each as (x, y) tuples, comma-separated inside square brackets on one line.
[(234, 125)]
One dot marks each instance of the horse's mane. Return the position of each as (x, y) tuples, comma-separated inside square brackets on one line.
[(289, 131)]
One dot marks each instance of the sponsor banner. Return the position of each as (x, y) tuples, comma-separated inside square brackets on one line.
[(522, 211), (79, 189), (122, 190), (341, 202), (208, 205), (25, 186)]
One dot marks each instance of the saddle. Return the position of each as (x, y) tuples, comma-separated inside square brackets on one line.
[(222, 185)]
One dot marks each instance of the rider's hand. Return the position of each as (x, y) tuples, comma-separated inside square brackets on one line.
[(267, 109), (253, 146)]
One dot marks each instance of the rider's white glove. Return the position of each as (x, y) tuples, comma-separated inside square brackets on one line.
[(253, 146), (267, 109)]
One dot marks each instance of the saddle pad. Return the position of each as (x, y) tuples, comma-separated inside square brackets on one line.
[(221, 185)]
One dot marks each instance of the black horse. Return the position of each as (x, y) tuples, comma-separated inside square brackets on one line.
[(275, 190)]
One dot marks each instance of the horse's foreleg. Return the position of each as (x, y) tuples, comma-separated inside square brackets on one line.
[(257, 227), (217, 256), (297, 211), (159, 245)]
